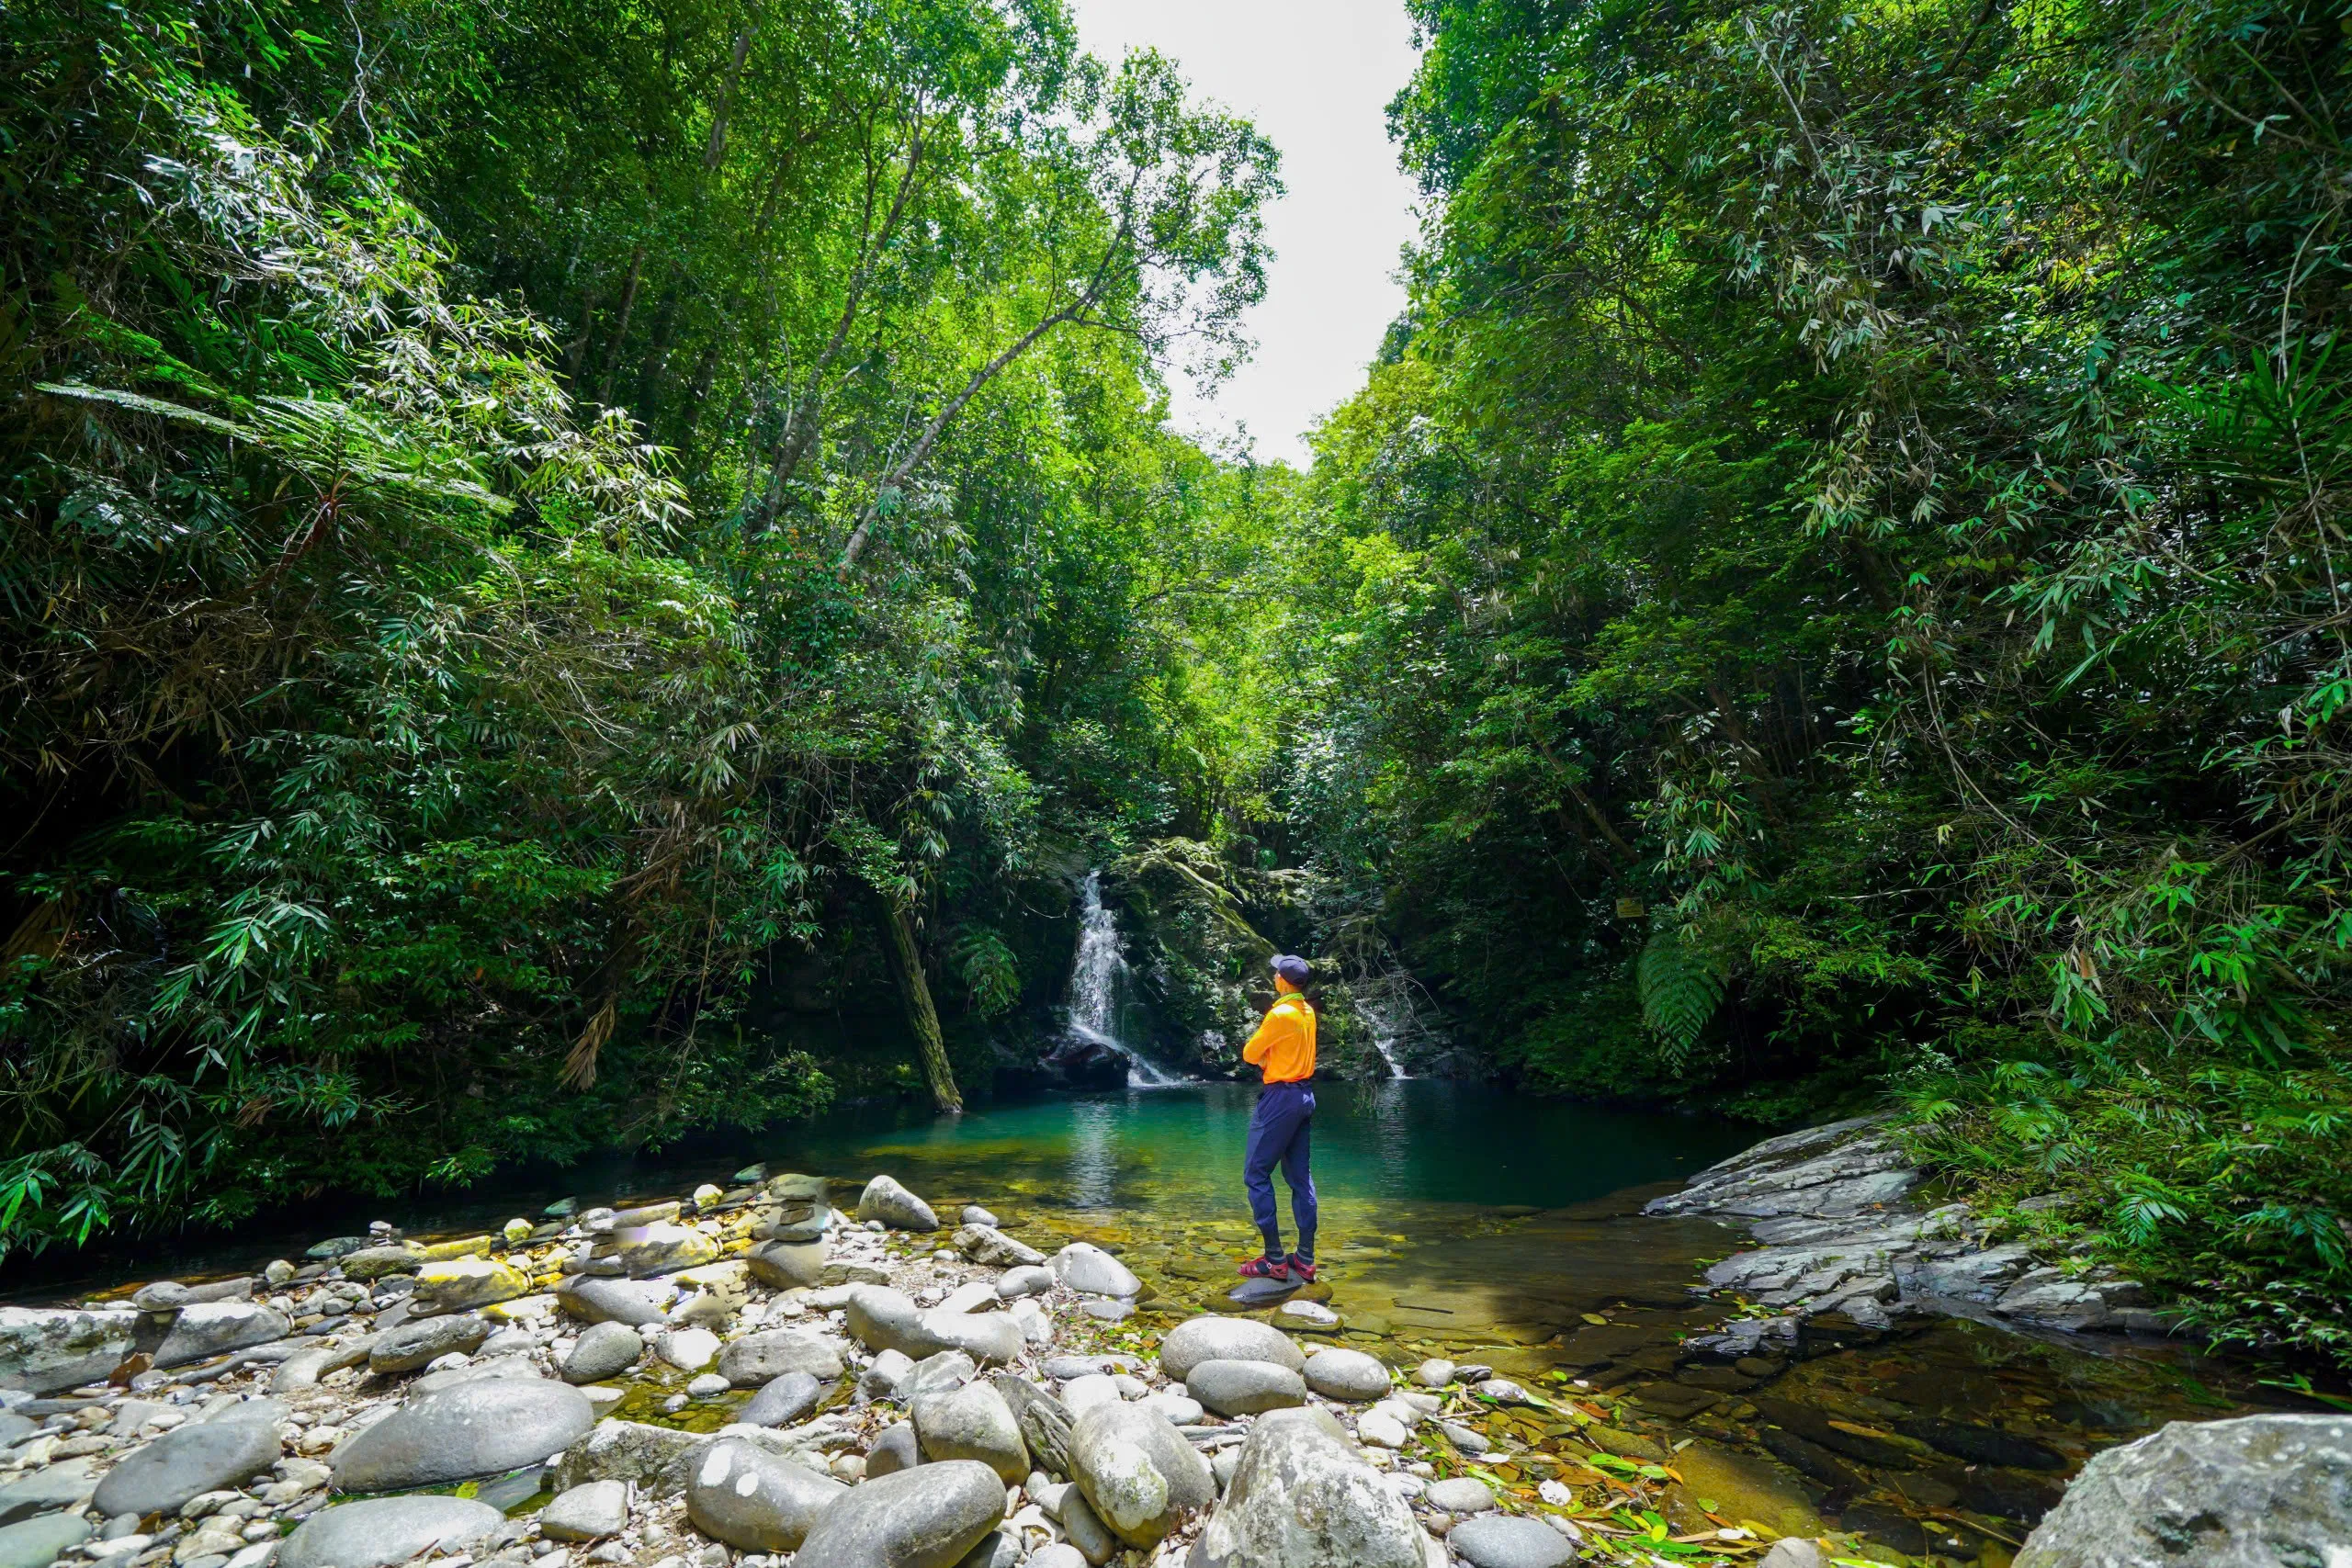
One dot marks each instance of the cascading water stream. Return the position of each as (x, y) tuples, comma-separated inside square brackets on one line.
[(1098, 987)]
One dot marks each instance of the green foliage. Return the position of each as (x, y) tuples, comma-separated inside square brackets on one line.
[(1680, 990)]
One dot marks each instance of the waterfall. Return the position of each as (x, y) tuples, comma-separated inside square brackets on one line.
[(1098, 981), (1378, 1015)]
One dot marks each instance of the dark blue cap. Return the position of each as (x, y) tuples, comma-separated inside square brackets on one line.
[(1291, 968)]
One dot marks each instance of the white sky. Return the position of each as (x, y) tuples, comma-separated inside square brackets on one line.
[(1315, 76)]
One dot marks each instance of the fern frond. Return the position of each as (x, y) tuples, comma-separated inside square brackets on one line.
[(1680, 989)]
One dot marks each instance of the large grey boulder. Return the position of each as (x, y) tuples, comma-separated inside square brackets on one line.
[(1509, 1540), (37, 1542), (1090, 1271), (1301, 1498), (1137, 1472), (384, 1530), (604, 1351), (208, 1329), (886, 1200), (925, 1517), (1245, 1388), (884, 1319), (203, 1456), (972, 1422), (755, 1502), (44, 1348), (408, 1345), (454, 1433), (782, 1265), (1202, 1339), (65, 1484), (758, 1359), (2253, 1493)]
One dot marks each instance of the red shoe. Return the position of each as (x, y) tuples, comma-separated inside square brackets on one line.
[(1302, 1270), (1260, 1268)]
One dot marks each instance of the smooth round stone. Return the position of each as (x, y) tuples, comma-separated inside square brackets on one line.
[(1435, 1372), (1202, 1339), (931, 1514), (688, 1350), (1346, 1374), (406, 1346), (884, 1200), (611, 1301), (1061, 1554), (755, 1501), (1180, 1409), (1084, 1392), (202, 1456), (1107, 1309), (1462, 1495), (973, 1214), (1506, 1541), (1061, 1369), (972, 1422), (943, 1373), (1029, 1280), (590, 1511), (1137, 1472), (458, 1433), (707, 1385), (1090, 1271), (757, 1359), (604, 1351), (784, 1401), (386, 1530), (35, 1542), (894, 1451), (1314, 1314), (1382, 1430), (1502, 1390), (1245, 1388)]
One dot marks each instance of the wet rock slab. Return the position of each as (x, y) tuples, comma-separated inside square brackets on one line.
[(474, 1428), (381, 1531)]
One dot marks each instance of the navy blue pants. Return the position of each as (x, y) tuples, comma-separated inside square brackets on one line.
[(1278, 1135)]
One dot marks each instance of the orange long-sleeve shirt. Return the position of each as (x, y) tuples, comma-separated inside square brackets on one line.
[(1285, 1043)]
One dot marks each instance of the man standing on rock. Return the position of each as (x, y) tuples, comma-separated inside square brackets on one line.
[(1285, 1048)]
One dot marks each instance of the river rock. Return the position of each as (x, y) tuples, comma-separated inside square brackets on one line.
[(37, 1542), (972, 1422), (1301, 1498), (991, 1248), (755, 1502), (1202, 1339), (896, 1450), (659, 1460), (208, 1329), (453, 1434), (782, 1400), (1044, 1421), (386, 1530), (408, 1345), (604, 1351), (1509, 1540), (759, 1359), (660, 1248), (1090, 1271), (1346, 1374), (370, 1263), (884, 1319), (587, 1512), (2251, 1493), (1027, 1280), (43, 1349), (1245, 1388), (1462, 1495), (688, 1350), (886, 1200), (1137, 1473), (973, 1214), (597, 1300), (202, 1456), (64, 1484), (461, 1283), (781, 1264), (925, 1517)]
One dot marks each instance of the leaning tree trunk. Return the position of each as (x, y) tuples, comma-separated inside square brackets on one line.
[(914, 992)]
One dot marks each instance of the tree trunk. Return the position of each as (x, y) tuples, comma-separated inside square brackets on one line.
[(914, 993)]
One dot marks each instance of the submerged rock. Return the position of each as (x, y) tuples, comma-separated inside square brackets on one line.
[(2250, 1493), (1301, 1498)]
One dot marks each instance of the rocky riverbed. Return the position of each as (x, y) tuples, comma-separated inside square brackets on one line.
[(753, 1377)]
